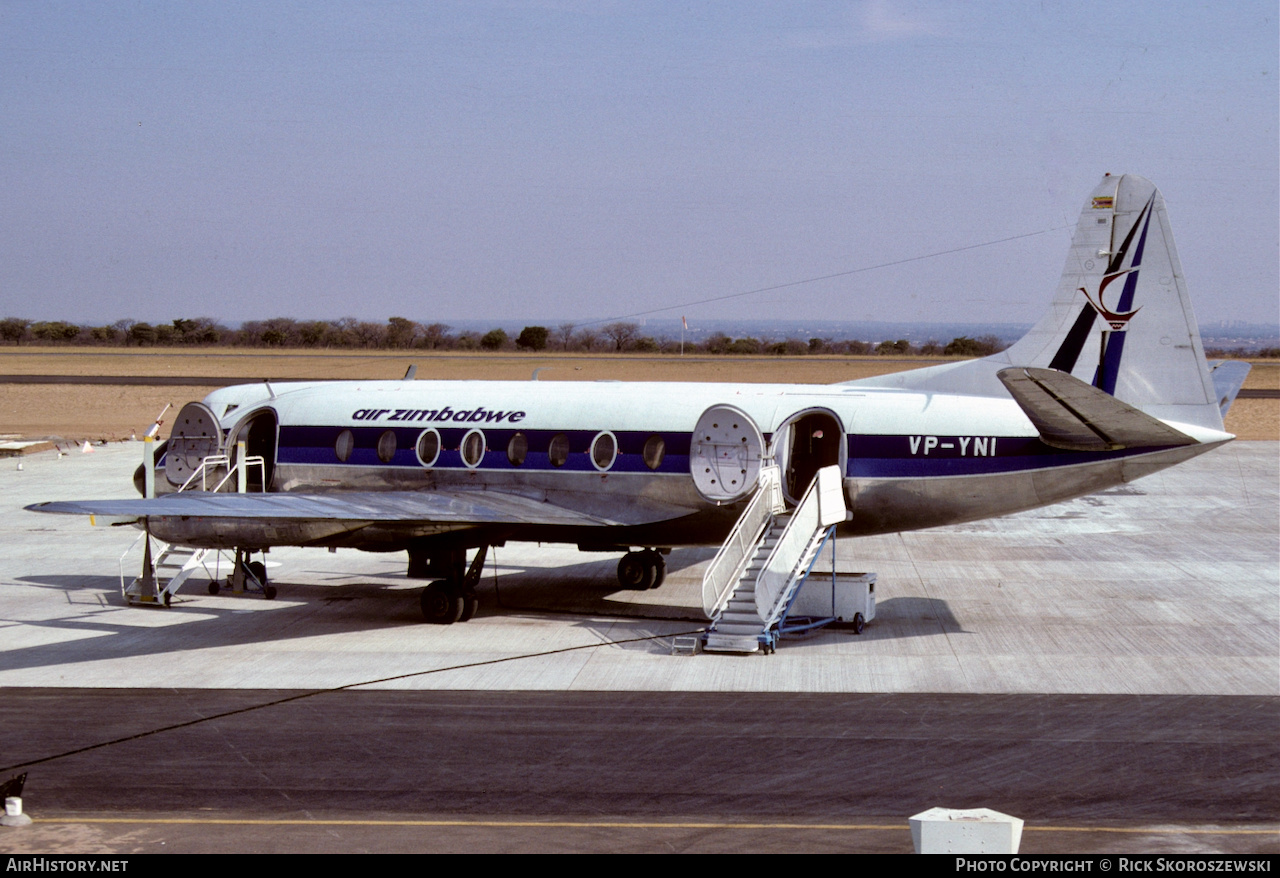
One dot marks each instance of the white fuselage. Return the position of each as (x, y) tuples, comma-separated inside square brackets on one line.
[(667, 463)]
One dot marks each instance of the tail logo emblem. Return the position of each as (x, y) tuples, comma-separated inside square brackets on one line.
[(1118, 320)]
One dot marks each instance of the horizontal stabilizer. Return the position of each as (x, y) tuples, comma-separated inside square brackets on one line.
[(1076, 416), (1228, 377)]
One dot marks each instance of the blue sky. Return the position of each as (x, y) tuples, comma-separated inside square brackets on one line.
[(576, 161)]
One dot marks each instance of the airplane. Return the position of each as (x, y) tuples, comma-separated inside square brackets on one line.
[(1110, 385)]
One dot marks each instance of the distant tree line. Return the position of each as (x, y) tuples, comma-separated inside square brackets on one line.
[(1241, 354), (400, 333)]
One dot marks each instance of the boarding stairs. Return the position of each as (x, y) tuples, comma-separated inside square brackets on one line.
[(753, 580), (174, 564)]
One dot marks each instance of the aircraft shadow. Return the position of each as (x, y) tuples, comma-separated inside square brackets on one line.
[(585, 589)]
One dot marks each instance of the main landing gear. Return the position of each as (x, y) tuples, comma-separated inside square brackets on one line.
[(246, 575), (446, 601), (641, 570)]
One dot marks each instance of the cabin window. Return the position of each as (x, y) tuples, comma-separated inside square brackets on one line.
[(428, 447), (517, 449), (387, 446), (558, 452), (604, 450), (344, 446), (654, 449), (473, 448)]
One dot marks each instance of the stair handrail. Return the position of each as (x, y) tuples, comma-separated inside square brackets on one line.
[(206, 464), (214, 460), (725, 569), (245, 463), (821, 507)]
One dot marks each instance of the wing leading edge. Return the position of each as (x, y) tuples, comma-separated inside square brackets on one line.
[(457, 508)]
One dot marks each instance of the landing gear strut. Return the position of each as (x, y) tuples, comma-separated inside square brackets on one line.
[(246, 575), (446, 601), (642, 570)]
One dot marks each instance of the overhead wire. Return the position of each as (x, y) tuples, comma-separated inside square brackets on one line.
[(811, 280)]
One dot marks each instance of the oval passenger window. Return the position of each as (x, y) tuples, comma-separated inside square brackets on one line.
[(428, 447), (654, 449), (603, 451), (387, 446), (473, 448), (344, 446), (517, 449), (559, 450)]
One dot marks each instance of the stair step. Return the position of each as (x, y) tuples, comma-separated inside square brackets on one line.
[(738, 643), (739, 630)]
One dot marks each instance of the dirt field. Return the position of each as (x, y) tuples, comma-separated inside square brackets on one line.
[(106, 411)]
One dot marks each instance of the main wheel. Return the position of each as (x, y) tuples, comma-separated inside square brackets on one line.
[(470, 603), (258, 571), (214, 588), (441, 603), (659, 565), (634, 572)]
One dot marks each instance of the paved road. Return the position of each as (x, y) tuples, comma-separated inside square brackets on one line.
[(637, 771)]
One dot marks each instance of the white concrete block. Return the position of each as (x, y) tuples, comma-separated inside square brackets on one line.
[(965, 831)]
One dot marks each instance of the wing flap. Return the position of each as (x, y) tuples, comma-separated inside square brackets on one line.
[(1077, 416)]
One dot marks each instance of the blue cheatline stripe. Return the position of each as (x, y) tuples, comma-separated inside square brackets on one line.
[(869, 456), (315, 445), (909, 457)]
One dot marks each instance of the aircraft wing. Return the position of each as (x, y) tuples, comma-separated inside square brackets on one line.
[(452, 508), (1077, 416)]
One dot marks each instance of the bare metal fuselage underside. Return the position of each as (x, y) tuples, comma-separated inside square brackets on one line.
[(877, 505)]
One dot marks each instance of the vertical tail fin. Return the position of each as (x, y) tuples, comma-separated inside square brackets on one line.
[(1121, 319)]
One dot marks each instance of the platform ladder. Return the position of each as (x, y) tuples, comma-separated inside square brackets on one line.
[(752, 581), (173, 564)]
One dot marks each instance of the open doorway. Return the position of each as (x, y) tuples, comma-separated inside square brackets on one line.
[(258, 433), (810, 441)]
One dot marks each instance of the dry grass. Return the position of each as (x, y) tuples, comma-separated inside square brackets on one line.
[(75, 411)]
